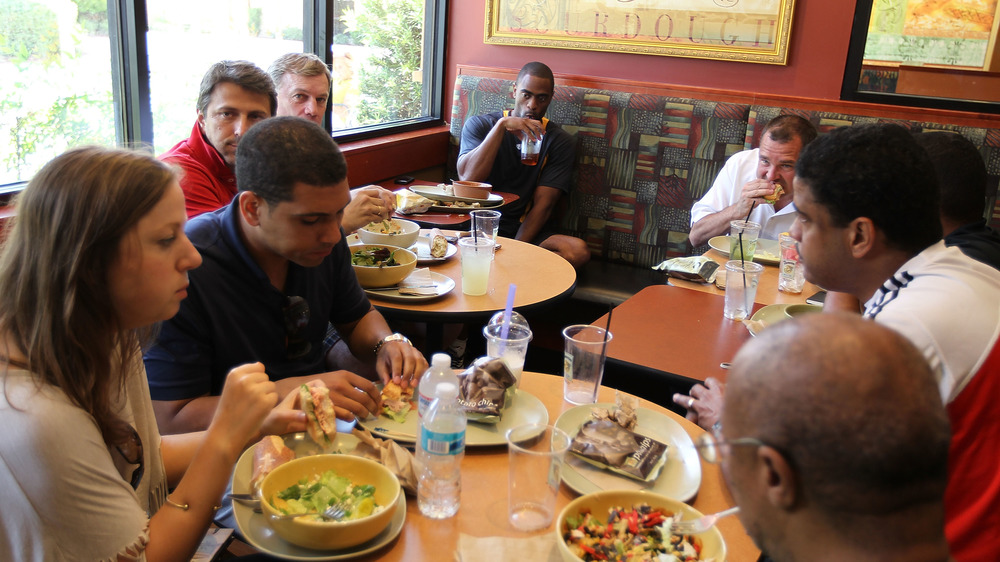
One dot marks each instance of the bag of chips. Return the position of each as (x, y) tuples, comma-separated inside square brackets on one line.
[(485, 389), (696, 268)]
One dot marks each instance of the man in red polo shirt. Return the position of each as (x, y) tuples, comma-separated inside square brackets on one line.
[(234, 96)]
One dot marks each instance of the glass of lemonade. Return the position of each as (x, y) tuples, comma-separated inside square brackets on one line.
[(477, 256), (745, 232)]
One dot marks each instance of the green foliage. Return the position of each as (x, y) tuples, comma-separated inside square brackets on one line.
[(28, 30), (292, 32), (255, 19), (73, 120), (389, 79), (92, 15)]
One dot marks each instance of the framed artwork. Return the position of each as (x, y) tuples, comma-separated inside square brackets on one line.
[(737, 30)]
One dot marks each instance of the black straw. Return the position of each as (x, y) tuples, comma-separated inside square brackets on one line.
[(607, 334), (743, 267)]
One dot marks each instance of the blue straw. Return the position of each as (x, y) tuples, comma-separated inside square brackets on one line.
[(507, 313)]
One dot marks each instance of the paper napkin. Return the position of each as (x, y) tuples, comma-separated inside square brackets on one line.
[(486, 549), (418, 283)]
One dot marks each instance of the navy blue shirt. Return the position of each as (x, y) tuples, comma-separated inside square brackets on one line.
[(233, 314), (554, 169), (977, 241)]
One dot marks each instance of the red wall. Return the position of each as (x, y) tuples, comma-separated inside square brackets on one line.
[(817, 52)]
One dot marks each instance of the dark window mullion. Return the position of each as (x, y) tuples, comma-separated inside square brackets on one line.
[(127, 28)]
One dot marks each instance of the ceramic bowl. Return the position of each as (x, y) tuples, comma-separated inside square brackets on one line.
[(471, 189), (598, 503), (407, 234), (799, 309), (373, 276), (330, 535)]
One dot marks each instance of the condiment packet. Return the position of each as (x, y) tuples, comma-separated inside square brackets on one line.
[(485, 389), (606, 444), (695, 268), (418, 282), (409, 203)]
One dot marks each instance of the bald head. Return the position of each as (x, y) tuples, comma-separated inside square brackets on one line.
[(852, 406)]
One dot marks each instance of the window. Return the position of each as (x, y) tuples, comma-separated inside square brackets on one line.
[(57, 85), (79, 71)]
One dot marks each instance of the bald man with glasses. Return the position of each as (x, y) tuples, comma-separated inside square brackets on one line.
[(821, 464)]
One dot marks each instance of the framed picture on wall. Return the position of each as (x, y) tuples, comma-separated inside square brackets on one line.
[(737, 30)]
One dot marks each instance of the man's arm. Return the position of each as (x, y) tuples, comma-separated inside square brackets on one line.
[(476, 164), (750, 195), (396, 360), (185, 416), (542, 204)]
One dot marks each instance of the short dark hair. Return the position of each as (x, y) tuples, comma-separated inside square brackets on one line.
[(784, 128), (244, 74), (960, 172), (536, 69), (277, 153), (876, 171)]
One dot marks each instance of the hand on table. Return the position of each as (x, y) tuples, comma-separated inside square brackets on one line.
[(400, 362), (368, 204), (704, 404)]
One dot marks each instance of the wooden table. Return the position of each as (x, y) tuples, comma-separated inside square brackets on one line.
[(484, 494), (434, 218), (542, 277), (674, 332), (767, 289)]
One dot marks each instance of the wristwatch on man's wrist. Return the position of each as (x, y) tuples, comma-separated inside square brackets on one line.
[(391, 337)]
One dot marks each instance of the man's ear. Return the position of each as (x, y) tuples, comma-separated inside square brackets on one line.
[(250, 207), (861, 236), (201, 120), (776, 478)]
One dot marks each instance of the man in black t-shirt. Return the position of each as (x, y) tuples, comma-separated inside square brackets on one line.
[(490, 152)]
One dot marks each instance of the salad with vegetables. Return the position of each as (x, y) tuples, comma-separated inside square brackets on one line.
[(313, 496), (377, 257), (635, 534)]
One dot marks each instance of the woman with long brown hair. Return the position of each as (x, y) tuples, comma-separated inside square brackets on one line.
[(97, 254)]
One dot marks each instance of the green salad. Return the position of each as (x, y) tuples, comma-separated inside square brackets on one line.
[(313, 496), (638, 533), (374, 257)]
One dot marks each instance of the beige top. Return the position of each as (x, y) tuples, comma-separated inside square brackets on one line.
[(66, 494)]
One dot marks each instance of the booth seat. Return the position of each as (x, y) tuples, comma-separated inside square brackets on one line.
[(646, 152)]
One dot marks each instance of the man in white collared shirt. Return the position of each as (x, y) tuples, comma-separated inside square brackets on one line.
[(751, 176)]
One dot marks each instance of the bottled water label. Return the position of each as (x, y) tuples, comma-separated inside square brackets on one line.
[(442, 443)]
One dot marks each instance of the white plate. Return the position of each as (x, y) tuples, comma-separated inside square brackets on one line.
[(767, 251), (439, 194), (679, 478), (525, 409), (423, 250), (442, 286), (258, 533)]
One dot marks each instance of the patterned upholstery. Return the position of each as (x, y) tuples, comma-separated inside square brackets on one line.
[(642, 160)]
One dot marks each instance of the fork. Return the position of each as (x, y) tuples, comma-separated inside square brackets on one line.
[(701, 524), (333, 513)]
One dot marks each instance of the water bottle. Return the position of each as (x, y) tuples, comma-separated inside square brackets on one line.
[(440, 450), (440, 371)]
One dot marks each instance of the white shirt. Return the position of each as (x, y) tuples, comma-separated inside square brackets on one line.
[(948, 305), (65, 497), (738, 170)]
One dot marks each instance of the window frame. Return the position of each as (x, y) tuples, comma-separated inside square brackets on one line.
[(127, 26)]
